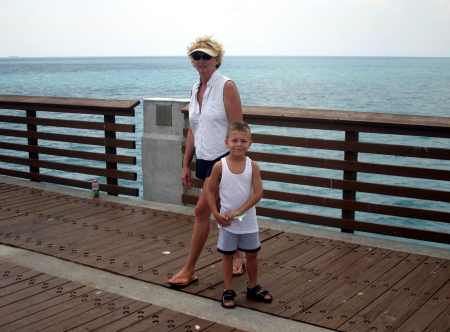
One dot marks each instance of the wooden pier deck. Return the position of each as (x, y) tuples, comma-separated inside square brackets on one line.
[(34, 301), (328, 283)]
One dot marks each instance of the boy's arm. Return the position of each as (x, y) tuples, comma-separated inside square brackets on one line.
[(255, 196), (211, 193)]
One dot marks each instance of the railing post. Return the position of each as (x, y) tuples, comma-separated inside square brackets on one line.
[(349, 195), (162, 143), (33, 156), (110, 150)]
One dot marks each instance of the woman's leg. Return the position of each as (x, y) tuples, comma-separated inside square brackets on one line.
[(200, 233), (238, 263)]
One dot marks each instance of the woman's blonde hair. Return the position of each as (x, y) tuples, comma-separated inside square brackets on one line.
[(208, 42)]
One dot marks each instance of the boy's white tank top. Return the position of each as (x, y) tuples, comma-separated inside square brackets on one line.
[(234, 190)]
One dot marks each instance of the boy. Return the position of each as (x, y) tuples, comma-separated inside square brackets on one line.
[(236, 179)]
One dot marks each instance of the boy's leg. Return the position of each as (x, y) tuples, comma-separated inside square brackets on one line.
[(250, 244), (252, 268), (227, 245), (227, 265)]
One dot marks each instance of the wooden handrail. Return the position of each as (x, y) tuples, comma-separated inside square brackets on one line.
[(107, 109), (347, 168)]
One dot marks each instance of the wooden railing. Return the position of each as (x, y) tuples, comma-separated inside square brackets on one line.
[(36, 135), (331, 164)]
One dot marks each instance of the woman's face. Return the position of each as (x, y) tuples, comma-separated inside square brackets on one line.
[(203, 65)]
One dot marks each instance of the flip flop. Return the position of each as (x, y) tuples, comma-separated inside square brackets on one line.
[(180, 285)]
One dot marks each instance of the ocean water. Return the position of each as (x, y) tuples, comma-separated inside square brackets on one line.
[(387, 85), (414, 86)]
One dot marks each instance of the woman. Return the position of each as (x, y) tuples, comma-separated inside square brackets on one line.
[(215, 102)]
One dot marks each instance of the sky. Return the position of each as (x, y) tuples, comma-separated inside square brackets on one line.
[(40, 28)]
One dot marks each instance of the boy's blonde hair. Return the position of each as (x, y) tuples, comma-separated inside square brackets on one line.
[(209, 43), (241, 126)]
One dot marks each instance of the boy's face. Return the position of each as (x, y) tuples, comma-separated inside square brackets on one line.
[(238, 142)]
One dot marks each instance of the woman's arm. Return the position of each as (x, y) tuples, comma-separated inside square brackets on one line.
[(187, 159), (212, 190), (232, 102)]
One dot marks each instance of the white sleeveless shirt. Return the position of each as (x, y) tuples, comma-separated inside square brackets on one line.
[(234, 190), (210, 123)]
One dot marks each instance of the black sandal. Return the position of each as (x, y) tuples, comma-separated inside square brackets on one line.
[(228, 299), (259, 294)]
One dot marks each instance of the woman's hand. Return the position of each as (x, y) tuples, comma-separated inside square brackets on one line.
[(186, 177)]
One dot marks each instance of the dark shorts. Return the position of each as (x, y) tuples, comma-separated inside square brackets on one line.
[(203, 167)]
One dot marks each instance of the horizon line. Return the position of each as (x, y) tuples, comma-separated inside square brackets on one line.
[(229, 55)]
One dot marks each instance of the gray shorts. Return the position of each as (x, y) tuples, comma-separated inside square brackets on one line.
[(228, 242)]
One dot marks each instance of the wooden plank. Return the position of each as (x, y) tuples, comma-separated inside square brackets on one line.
[(34, 163), (347, 120), (12, 275), (89, 140), (23, 200), (50, 293), (353, 166), (132, 316), (117, 310), (27, 288), (333, 310), (92, 125), (100, 244), (272, 258), (313, 278), (87, 185), (373, 148), (441, 323), (33, 142), (70, 153), (151, 318), (80, 229), (32, 318), (391, 210), (34, 312), (349, 175), (115, 257), (374, 188), (11, 172), (78, 103), (111, 166), (96, 301), (395, 305), (430, 311)]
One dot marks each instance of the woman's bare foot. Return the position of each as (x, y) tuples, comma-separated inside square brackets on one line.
[(238, 264), (182, 279)]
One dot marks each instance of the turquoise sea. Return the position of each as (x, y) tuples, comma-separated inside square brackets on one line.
[(378, 84), (415, 86)]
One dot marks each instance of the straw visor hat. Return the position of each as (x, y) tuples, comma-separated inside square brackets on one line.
[(207, 45), (208, 51)]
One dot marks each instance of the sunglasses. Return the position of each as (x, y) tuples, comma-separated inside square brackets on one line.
[(200, 55)]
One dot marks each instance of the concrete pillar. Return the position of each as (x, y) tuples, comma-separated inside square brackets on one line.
[(162, 157)]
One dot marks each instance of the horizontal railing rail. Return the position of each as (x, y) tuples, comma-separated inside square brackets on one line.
[(38, 134), (356, 173)]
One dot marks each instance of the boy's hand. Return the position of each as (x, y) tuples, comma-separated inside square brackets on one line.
[(232, 215), (223, 220)]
